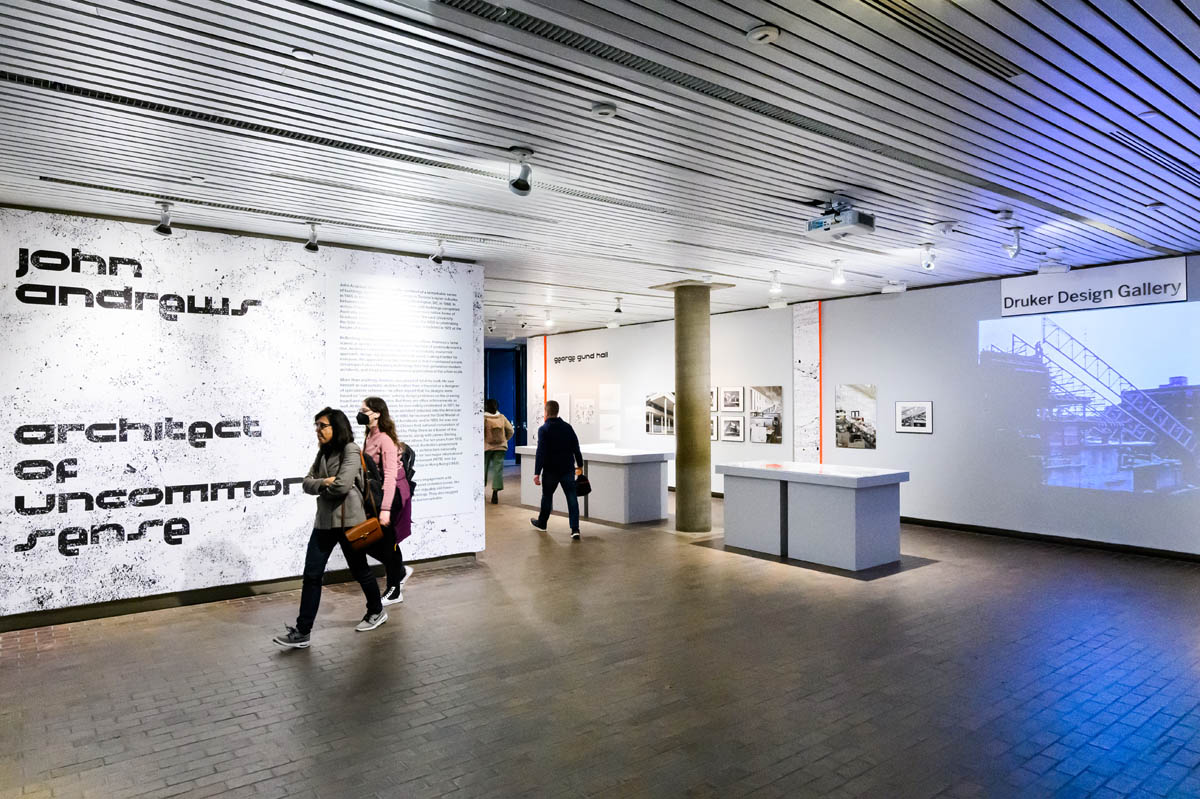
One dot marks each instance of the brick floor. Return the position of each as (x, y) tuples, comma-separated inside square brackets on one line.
[(637, 663)]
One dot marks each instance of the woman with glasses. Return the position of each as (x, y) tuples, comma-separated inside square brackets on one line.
[(337, 481)]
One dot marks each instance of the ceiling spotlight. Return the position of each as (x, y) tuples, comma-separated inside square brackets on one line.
[(1003, 215), (491, 328), (944, 228), (522, 184), (927, 257), (300, 54), (839, 276), (164, 219), (603, 110), (549, 321), (311, 245), (894, 287), (1014, 249), (618, 308), (776, 287), (524, 324), (439, 254), (763, 34)]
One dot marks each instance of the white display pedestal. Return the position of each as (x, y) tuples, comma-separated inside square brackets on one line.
[(628, 485), (842, 516)]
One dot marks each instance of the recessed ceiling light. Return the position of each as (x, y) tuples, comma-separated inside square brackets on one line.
[(1149, 115), (1155, 206), (197, 179), (300, 54)]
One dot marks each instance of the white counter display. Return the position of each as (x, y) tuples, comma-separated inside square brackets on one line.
[(842, 516), (628, 485)]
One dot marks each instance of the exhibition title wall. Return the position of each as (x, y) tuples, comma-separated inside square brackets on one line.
[(158, 396)]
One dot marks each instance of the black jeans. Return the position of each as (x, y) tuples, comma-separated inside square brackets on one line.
[(387, 552), (549, 483), (320, 547)]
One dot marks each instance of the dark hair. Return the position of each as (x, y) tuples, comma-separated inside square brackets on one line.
[(386, 425), (491, 406), (551, 409), (343, 433)]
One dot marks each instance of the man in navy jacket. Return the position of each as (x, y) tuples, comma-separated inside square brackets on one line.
[(557, 454)]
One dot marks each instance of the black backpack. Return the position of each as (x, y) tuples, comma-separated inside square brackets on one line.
[(408, 460), (373, 496)]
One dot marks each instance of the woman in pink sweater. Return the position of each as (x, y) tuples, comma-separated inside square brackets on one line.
[(382, 446)]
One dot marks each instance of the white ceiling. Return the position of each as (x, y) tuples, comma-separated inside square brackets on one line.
[(1074, 115)]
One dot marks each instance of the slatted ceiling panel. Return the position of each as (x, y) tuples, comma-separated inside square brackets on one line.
[(460, 92)]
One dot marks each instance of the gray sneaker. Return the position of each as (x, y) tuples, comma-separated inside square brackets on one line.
[(370, 622), (292, 639)]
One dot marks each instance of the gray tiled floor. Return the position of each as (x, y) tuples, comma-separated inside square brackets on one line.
[(638, 663)]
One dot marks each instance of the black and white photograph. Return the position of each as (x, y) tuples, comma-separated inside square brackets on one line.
[(733, 428), (712, 398), (914, 417), (732, 399), (855, 415), (660, 413), (712, 427), (766, 414)]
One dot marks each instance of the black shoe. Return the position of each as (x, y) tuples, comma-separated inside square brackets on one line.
[(536, 526), (495, 497), (574, 535)]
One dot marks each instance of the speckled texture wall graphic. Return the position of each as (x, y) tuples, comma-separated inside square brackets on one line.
[(806, 381), (158, 396)]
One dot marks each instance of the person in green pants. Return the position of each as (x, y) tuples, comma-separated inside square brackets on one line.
[(497, 430)]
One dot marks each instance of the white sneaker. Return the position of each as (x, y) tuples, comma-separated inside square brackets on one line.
[(393, 596), (370, 622), (408, 572)]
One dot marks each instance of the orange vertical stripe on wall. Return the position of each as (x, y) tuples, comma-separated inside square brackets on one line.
[(820, 390)]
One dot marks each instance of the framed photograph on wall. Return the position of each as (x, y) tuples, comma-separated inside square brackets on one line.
[(854, 415), (733, 428), (914, 417), (712, 427), (732, 399), (712, 398), (766, 414)]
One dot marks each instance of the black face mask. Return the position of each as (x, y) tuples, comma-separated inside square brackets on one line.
[(362, 418)]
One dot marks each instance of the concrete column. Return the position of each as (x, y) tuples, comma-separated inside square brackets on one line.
[(693, 453)]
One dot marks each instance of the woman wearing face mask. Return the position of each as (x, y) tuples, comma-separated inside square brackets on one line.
[(336, 480), (382, 446)]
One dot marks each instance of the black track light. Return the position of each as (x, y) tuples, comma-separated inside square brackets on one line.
[(618, 308), (164, 219), (311, 245), (439, 254)]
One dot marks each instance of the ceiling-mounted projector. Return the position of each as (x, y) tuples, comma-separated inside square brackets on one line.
[(840, 224)]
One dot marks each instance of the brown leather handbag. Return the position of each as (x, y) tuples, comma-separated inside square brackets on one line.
[(363, 534)]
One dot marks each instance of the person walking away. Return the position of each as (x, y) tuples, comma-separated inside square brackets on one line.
[(497, 431), (336, 479), (557, 454), (381, 446)]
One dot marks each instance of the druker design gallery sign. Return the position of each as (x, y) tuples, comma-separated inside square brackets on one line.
[(1142, 283)]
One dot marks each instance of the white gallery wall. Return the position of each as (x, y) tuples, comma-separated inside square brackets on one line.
[(749, 348), (158, 396), (925, 346)]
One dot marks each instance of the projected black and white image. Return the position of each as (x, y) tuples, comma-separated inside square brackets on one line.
[(766, 414), (914, 417), (660, 413), (854, 413), (1097, 400), (733, 428)]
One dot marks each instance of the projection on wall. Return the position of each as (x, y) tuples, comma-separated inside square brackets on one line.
[(1101, 400)]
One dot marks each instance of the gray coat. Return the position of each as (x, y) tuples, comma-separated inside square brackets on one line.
[(347, 488)]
